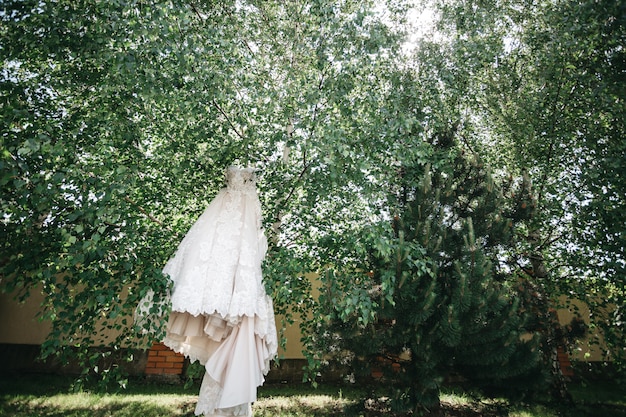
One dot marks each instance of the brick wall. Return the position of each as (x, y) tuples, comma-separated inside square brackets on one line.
[(564, 362), (164, 361)]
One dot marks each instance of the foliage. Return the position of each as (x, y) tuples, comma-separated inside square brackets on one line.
[(436, 301), (75, 171), (545, 99), (118, 119)]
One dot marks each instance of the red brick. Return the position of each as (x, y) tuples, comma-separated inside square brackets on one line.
[(163, 360), (377, 373), (159, 346), (169, 353), (564, 362)]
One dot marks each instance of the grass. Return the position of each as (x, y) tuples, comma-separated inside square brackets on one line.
[(51, 396)]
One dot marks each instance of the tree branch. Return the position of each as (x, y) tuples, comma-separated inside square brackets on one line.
[(552, 130), (196, 11), (228, 119), (149, 216)]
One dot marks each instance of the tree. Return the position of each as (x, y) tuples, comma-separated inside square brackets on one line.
[(118, 121), (439, 301), (497, 80), (545, 93)]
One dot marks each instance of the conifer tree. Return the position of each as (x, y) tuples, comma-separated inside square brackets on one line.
[(443, 304)]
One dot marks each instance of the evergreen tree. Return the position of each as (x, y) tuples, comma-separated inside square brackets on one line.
[(442, 302)]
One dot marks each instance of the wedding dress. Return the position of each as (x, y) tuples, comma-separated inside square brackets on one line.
[(220, 312)]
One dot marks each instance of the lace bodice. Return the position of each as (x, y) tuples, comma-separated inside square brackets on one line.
[(240, 179)]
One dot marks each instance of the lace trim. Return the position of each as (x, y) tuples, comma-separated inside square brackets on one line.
[(197, 337)]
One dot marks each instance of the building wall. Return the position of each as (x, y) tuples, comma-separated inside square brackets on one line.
[(585, 350), (20, 325)]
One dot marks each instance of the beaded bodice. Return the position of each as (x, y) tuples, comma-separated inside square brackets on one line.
[(240, 179)]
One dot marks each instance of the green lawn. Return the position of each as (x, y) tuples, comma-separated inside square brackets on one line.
[(51, 396)]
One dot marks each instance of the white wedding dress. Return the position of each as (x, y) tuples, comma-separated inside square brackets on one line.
[(220, 312)]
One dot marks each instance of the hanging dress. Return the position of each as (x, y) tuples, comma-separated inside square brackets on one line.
[(220, 312)]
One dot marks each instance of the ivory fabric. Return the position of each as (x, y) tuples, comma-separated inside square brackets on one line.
[(221, 314)]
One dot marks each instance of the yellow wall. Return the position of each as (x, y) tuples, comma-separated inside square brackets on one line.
[(584, 350), (293, 348), (19, 324)]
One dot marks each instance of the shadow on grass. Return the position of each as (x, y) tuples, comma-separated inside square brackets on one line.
[(51, 396), (32, 395), (125, 409), (599, 398)]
